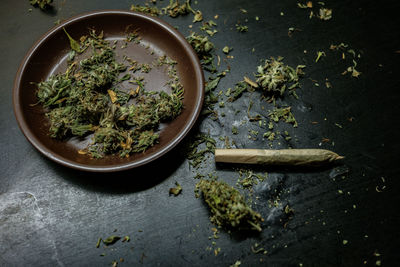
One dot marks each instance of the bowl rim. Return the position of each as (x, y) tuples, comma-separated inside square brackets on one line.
[(23, 125)]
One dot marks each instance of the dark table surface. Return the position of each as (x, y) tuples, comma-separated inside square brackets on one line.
[(51, 215)]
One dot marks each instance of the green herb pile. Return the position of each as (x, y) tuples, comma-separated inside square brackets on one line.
[(89, 99), (228, 206)]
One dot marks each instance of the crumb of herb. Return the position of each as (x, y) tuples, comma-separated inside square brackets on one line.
[(175, 190), (236, 264), (111, 240), (239, 88), (226, 49), (338, 125), (306, 5), (241, 28), (98, 243), (234, 130), (352, 70), (325, 13), (250, 82), (319, 55), (198, 16)]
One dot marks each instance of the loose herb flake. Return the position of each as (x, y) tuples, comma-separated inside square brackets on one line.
[(111, 240), (226, 49), (175, 190), (126, 239), (284, 114), (241, 28), (325, 13), (73, 43), (235, 130), (98, 243), (319, 55), (198, 16), (239, 88)]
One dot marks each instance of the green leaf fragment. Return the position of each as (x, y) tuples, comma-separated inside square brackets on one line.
[(241, 28), (198, 16), (319, 55), (226, 49), (284, 114), (235, 130), (175, 190), (239, 88), (98, 243), (74, 44), (212, 83), (111, 240)]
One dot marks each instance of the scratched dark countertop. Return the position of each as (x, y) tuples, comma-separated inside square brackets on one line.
[(53, 216)]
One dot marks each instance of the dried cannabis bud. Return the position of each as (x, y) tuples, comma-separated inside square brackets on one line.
[(86, 99), (228, 206), (42, 4), (274, 75)]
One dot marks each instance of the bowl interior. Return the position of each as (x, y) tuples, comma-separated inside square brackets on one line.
[(49, 56)]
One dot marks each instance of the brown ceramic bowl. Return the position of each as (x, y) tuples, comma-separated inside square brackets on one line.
[(48, 56)]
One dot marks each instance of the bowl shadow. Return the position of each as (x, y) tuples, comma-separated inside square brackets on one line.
[(123, 182)]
